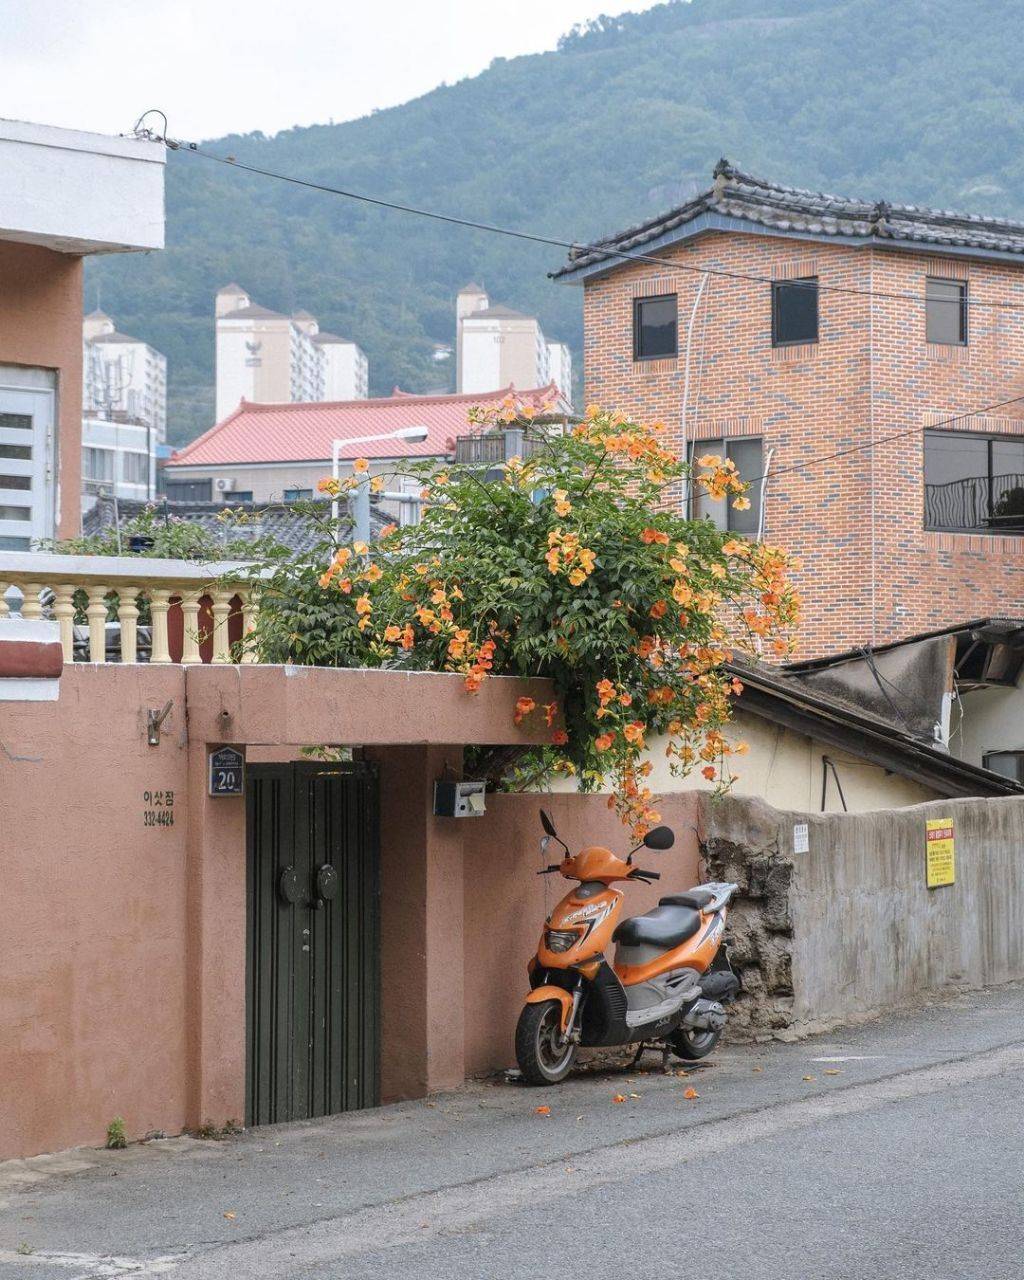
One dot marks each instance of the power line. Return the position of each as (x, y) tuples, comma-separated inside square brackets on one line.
[(574, 247), (571, 246)]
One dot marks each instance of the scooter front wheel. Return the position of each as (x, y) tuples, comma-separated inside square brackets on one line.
[(544, 1057)]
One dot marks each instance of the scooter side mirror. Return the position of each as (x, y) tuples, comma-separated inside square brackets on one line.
[(547, 824), (660, 838)]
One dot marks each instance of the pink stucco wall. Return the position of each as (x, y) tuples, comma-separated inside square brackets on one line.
[(92, 912), (123, 944), (41, 326)]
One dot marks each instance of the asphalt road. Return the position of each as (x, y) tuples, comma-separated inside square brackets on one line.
[(892, 1150)]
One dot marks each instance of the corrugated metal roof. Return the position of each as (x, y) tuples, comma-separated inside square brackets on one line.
[(811, 214), (306, 432)]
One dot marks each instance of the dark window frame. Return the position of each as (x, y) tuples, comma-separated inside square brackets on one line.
[(801, 282), (638, 305), (297, 494), (996, 526), (962, 285)]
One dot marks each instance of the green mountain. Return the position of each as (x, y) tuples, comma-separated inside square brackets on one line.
[(915, 101)]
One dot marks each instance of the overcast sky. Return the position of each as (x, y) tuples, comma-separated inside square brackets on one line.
[(220, 66)]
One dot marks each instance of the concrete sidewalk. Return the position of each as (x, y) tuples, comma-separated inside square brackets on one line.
[(352, 1194)]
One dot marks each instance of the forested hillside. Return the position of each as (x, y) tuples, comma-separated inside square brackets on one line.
[(919, 100)]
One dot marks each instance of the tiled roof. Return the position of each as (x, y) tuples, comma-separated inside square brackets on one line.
[(305, 432), (262, 519), (111, 337), (499, 310), (253, 312), (811, 214)]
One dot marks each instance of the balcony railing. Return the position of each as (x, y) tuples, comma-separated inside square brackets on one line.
[(197, 612), (994, 504), (492, 448)]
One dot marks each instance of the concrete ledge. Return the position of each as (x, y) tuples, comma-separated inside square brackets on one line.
[(284, 706)]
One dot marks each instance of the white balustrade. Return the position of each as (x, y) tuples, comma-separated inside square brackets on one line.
[(206, 597)]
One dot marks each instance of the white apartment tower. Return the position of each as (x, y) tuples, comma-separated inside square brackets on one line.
[(122, 376), (496, 346), (124, 411), (269, 358)]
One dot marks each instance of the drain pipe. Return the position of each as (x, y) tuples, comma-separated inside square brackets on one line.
[(764, 490), (686, 382)]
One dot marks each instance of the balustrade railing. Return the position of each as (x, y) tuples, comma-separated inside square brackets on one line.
[(197, 612)]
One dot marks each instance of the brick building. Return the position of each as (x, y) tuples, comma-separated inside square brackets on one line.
[(780, 325)]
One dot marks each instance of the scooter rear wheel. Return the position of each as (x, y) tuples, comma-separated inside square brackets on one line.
[(693, 1044), (543, 1056)]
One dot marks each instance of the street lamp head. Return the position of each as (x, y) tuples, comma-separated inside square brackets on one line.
[(414, 435)]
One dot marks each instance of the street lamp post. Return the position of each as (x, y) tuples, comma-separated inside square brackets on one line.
[(361, 496)]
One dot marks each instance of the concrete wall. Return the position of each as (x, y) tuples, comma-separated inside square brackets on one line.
[(987, 720), (849, 928), (41, 326), (506, 902)]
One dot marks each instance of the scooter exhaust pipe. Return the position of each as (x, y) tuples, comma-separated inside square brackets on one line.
[(705, 1015)]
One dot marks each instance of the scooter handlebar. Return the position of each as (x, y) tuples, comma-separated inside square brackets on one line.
[(640, 873), (555, 866)]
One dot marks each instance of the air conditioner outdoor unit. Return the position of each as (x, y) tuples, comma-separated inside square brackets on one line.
[(224, 484)]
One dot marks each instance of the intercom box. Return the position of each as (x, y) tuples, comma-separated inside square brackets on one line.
[(459, 799)]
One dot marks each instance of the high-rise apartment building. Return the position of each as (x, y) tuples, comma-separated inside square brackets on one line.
[(122, 376), (266, 357), (496, 346), (124, 411)]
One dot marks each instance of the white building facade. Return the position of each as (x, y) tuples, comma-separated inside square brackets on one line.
[(496, 346), (124, 412), (266, 357)]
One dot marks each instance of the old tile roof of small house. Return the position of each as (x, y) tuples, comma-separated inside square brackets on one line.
[(739, 201), (278, 520)]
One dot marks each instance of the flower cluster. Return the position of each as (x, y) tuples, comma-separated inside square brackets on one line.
[(490, 582)]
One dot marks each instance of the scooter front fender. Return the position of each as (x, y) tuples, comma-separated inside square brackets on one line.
[(539, 994)]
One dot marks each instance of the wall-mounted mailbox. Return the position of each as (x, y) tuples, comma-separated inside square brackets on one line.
[(459, 799)]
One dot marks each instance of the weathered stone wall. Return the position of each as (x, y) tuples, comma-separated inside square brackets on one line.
[(849, 928)]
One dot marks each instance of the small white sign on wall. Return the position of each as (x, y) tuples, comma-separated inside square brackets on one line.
[(801, 837)]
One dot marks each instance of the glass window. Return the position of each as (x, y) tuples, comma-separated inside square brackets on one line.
[(1008, 763), (946, 312), (654, 327), (747, 455), (240, 495), (794, 311), (98, 464), (135, 468), (15, 544), (297, 495), (15, 513), (15, 482), (973, 483), (16, 421), (15, 451), (189, 490)]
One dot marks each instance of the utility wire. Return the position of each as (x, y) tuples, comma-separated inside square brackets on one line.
[(571, 246), (574, 247)]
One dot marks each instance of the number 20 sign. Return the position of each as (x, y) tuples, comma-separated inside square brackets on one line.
[(227, 772)]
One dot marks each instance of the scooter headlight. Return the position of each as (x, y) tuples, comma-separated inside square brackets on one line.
[(560, 939)]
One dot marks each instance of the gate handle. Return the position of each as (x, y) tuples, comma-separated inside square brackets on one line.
[(326, 881)]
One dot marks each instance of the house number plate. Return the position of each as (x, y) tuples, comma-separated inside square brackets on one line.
[(227, 772)]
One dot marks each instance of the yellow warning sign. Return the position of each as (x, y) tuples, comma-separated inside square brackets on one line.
[(940, 862)]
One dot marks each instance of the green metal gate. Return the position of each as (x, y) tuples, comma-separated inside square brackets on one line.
[(312, 998)]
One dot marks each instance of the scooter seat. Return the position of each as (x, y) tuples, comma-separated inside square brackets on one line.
[(695, 898), (666, 926)]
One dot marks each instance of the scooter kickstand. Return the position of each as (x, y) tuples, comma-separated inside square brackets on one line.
[(666, 1049), (639, 1055)]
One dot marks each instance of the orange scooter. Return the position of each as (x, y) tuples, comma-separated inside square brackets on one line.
[(669, 982)]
